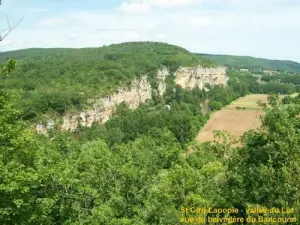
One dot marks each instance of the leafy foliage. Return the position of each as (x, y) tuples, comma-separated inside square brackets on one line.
[(57, 80), (264, 169), (132, 169)]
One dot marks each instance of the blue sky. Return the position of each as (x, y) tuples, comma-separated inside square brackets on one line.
[(261, 28)]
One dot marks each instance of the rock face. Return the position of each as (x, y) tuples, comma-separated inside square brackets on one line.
[(161, 76), (139, 92), (103, 108), (190, 78), (41, 128)]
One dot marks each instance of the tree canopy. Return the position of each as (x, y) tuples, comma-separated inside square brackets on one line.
[(143, 166), (254, 63), (58, 80)]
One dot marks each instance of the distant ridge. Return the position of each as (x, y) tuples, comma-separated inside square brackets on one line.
[(249, 62)]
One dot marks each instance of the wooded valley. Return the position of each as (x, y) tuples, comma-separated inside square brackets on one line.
[(134, 169)]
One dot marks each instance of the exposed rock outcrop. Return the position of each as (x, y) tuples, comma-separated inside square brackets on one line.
[(43, 128), (138, 93), (161, 76), (103, 108), (192, 77)]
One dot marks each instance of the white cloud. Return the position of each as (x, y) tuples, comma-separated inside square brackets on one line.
[(161, 36), (172, 3), (52, 21), (142, 6), (6, 42), (201, 21), (39, 10), (135, 7), (149, 26), (128, 36), (213, 26)]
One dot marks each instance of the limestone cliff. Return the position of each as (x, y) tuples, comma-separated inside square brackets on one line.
[(103, 108), (139, 92), (161, 76), (192, 77)]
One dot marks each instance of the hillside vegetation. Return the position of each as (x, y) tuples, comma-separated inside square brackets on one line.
[(57, 80), (253, 63), (132, 170)]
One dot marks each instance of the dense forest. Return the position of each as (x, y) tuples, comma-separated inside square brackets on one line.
[(264, 83), (58, 80), (253, 63), (134, 170), (55, 81)]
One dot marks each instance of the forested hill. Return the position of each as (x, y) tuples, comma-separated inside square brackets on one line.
[(253, 63), (62, 79)]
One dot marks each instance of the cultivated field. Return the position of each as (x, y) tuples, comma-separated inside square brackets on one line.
[(249, 102), (234, 121)]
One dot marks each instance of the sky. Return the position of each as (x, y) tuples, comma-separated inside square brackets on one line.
[(260, 28)]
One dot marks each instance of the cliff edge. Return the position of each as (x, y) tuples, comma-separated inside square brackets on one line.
[(139, 92)]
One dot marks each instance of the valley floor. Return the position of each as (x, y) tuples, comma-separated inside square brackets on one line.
[(235, 121)]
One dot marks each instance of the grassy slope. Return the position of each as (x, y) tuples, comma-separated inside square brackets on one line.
[(254, 63)]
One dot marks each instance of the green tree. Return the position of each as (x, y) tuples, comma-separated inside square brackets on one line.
[(21, 199), (214, 105), (9, 67), (265, 170)]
